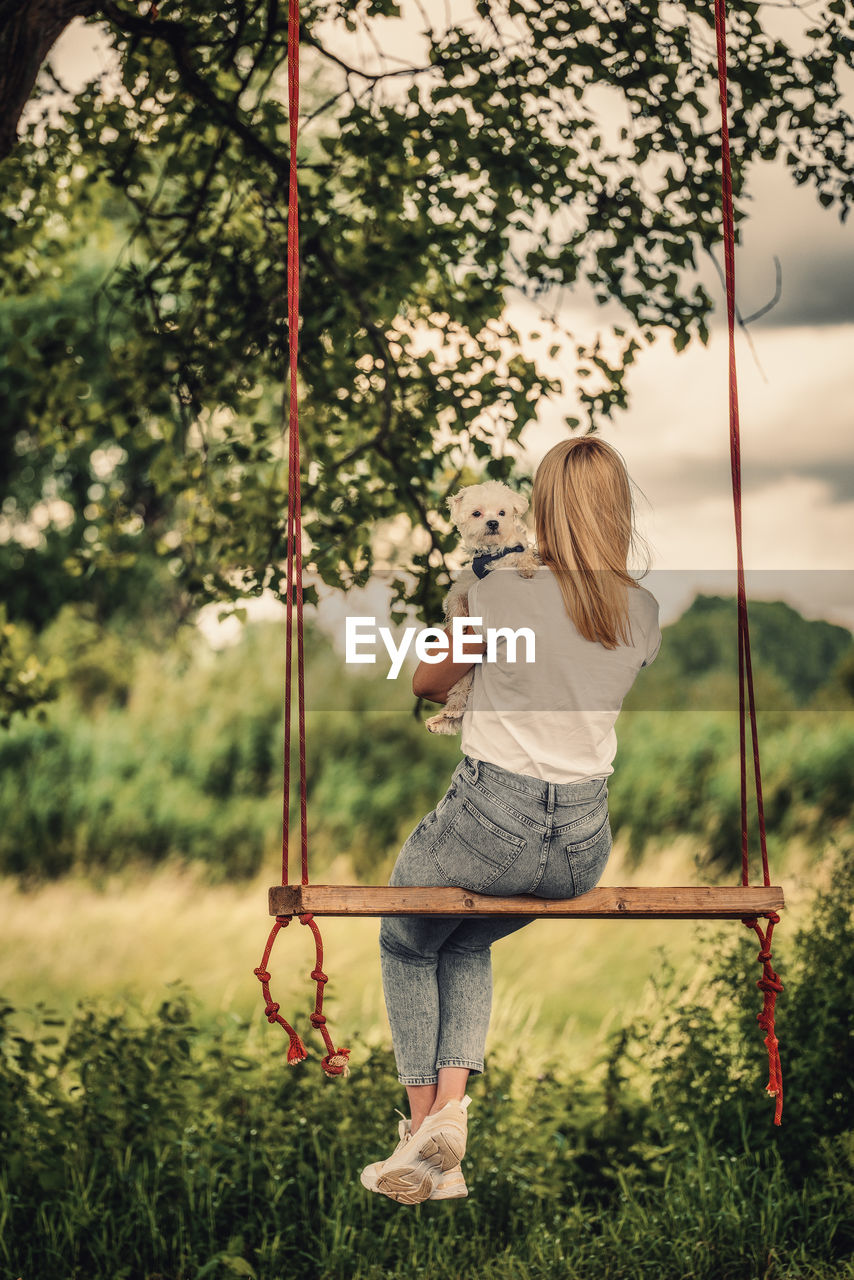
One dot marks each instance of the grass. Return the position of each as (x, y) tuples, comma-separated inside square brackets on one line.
[(187, 766), (560, 986), (185, 1157)]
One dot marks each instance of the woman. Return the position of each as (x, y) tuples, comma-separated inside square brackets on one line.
[(527, 808)]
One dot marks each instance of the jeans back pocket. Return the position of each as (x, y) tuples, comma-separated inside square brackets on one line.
[(587, 857), (473, 851)]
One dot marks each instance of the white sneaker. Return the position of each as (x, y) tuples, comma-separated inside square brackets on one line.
[(414, 1171), (451, 1185)]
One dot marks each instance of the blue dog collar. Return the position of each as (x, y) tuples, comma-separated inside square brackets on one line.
[(481, 563)]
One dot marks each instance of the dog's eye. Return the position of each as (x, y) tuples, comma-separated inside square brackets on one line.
[(501, 513), (477, 514)]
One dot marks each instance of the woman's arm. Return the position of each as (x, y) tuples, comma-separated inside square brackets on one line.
[(434, 680)]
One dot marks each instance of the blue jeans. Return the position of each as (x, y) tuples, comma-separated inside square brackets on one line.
[(492, 832)]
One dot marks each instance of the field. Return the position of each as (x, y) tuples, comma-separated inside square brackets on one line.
[(131, 935), (151, 1129)]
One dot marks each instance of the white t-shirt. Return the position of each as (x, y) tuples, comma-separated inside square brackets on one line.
[(552, 718)]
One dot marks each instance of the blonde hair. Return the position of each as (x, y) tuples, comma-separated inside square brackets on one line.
[(584, 519)]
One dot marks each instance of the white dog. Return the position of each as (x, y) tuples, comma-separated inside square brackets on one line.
[(489, 518)]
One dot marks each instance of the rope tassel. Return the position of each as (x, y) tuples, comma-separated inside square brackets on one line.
[(337, 1064)]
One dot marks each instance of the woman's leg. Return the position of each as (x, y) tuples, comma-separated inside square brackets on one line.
[(411, 955), (437, 980), (421, 1098), (465, 989), (451, 1087), (426, 1099), (457, 1001)]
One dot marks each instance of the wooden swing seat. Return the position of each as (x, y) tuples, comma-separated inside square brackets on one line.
[(685, 902)]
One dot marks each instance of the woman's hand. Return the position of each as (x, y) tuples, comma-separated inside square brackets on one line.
[(434, 680)]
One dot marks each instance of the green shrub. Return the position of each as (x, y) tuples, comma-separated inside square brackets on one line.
[(190, 768), (677, 773)]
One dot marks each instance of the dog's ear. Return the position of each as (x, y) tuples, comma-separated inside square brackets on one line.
[(454, 502), (520, 504)]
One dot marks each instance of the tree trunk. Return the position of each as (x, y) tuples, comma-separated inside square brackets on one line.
[(28, 31)]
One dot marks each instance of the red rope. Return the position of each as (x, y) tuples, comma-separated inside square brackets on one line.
[(770, 986), (769, 983), (335, 1061)]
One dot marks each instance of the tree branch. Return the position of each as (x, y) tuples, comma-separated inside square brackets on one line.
[(28, 32), (178, 38), (372, 76)]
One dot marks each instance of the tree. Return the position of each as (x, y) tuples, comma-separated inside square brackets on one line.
[(539, 148)]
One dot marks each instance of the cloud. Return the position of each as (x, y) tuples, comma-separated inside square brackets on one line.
[(797, 468), (818, 287), (815, 251), (675, 482)]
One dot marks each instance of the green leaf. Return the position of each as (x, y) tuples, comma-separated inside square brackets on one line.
[(238, 1267)]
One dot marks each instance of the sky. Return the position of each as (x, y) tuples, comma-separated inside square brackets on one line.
[(796, 395)]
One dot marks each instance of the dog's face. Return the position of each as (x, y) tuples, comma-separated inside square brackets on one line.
[(488, 516)]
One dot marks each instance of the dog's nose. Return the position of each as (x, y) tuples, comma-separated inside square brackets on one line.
[(492, 526)]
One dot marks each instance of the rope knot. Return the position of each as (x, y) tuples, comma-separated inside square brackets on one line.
[(318, 1020), (317, 975), (271, 1010), (261, 974), (307, 918), (336, 1064)]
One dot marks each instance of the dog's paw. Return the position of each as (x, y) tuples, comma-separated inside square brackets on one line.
[(443, 724), (529, 563)]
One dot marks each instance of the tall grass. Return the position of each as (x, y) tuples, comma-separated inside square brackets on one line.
[(133, 934)]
